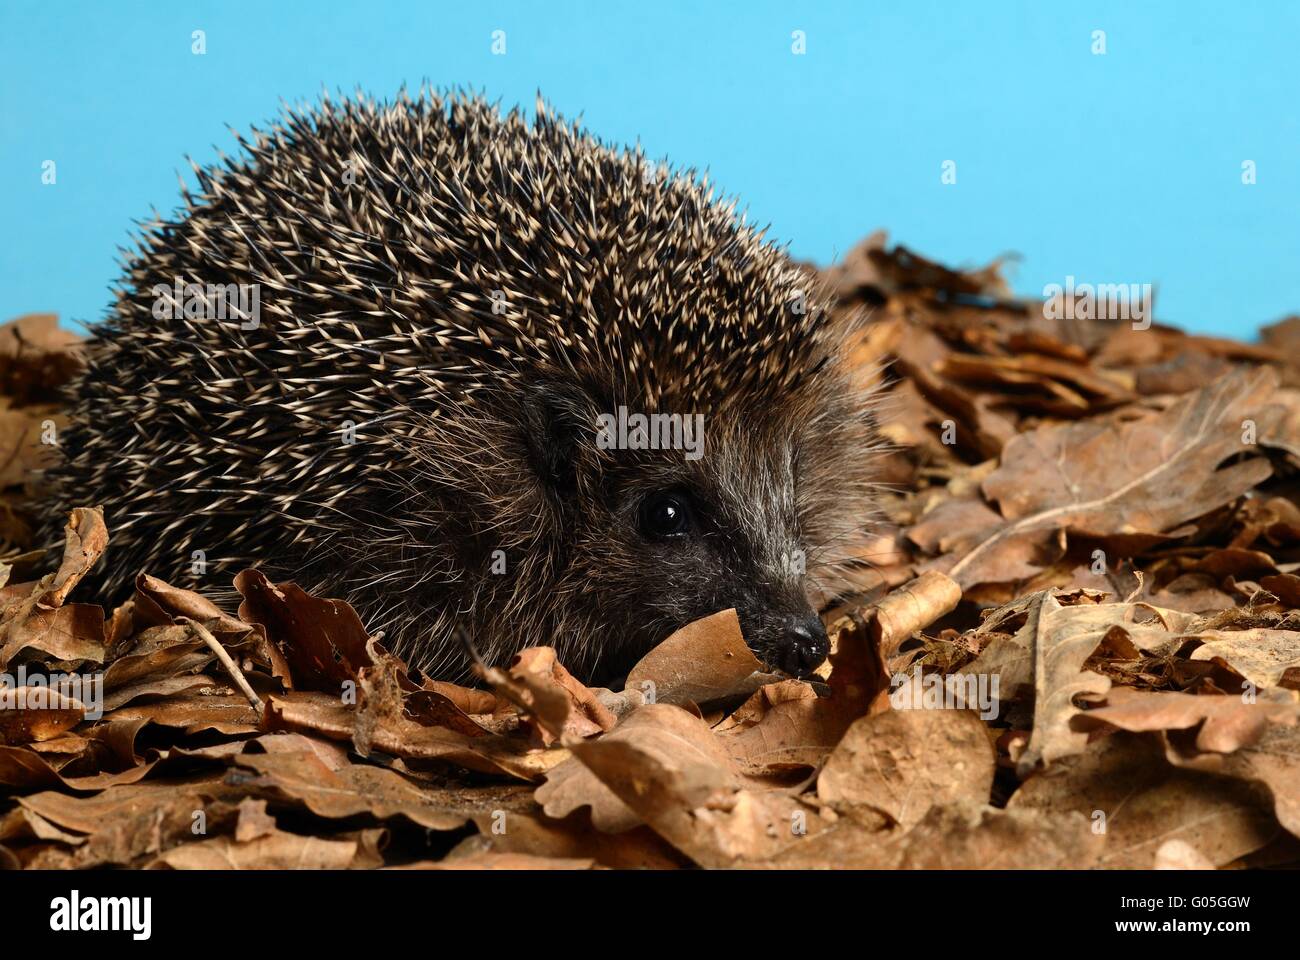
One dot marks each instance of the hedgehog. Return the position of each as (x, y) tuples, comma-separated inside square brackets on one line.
[(481, 376)]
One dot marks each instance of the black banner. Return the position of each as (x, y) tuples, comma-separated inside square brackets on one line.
[(333, 909)]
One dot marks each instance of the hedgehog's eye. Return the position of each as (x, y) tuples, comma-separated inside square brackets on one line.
[(665, 515)]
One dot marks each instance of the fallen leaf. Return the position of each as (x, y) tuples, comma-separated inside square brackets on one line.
[(1273, 760), (703, 662), (904, 762), (276, 851), (1148, 475), (668, 767), (1226, 723), (323, 642), (1124, 787), (1261, 656), (974, 837), (348, 790)]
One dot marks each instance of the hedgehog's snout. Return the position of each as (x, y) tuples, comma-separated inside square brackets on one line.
[(793, 642), (804, 645)]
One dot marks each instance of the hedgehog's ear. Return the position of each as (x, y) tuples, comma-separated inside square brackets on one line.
[(558, 424)]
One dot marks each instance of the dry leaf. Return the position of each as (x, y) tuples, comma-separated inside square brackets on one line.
[(1261, 656), (1226, 723), (1273, 760), (1123, 785), (1144, 476), (904, 762), (703, 662)]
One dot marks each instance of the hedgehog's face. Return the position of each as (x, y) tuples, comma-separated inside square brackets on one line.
[(650, 540), (707, 546), (673, 540)]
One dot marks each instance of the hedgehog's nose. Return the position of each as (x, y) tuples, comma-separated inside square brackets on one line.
[(803, 646)]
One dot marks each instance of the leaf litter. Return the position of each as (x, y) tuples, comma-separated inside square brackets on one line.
[(1074, 642)]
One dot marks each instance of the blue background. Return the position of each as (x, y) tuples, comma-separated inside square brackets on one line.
[(1122, 168)]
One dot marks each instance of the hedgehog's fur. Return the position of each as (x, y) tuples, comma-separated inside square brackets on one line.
[(471, 297)]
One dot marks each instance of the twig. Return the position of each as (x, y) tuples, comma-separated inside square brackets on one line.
[(231, 667), (468, 643)]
